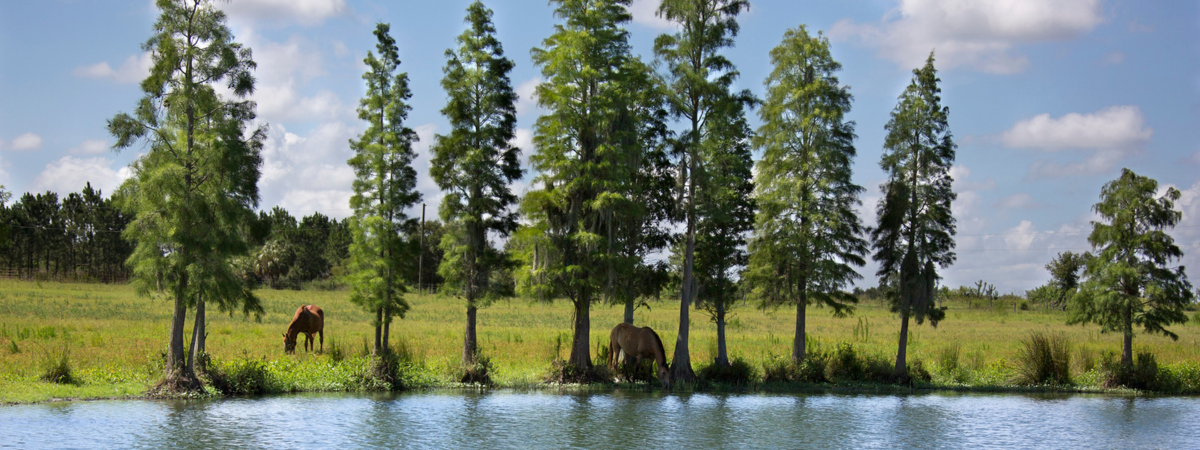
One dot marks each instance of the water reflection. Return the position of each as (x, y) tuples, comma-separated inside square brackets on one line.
[(505, 419)]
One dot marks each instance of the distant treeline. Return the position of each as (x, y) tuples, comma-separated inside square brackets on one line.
[(80, 238)]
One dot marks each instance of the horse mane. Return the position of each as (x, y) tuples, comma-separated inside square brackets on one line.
[(658, 341)]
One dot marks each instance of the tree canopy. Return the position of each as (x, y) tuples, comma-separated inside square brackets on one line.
[(915, 235), (1128, 283), (807, 236)]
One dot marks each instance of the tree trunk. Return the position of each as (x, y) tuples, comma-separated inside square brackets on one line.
[(198, 335), (629, 311), (470, 345), (387, 327), (798, 348), (581, 345), (901, 372), (722, 353), (681, 361), (378, 330), (175, 353), (1127, 339)]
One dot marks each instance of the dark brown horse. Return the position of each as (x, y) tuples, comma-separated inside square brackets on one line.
[(638, 342), (309, 319)]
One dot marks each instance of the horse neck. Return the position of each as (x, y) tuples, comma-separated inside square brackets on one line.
[(292, 332), (660, 353)]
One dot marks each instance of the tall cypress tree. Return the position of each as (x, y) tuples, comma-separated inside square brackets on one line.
[(384, 186), (1128, 282), (700, 80), (915, 235), (585, 145), (807, 233), (195, 188), (475, 164)]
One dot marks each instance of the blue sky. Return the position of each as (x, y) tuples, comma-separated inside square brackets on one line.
[(1048, 99)]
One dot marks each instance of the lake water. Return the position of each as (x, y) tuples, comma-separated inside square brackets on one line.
[(507, 419)]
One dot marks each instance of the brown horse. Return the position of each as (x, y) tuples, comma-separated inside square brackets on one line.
[(640, 343), (309, 319)]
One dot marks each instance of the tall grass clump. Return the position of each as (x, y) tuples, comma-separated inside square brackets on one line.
[(56, 366), (1043, 358), (949, 365)]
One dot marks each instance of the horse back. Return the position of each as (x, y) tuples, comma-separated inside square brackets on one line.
[(308, 319)]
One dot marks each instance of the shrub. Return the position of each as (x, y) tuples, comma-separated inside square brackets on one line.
[(777, 369), (12, 347), (563, 372), (1186, 376), (1142, 376), (478, 372), (917, 371), (56, 367), (738, 372), (1044, 359), (844, 364), (241, 377)]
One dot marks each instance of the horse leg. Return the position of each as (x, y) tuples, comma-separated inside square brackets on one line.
[(308, 342), (322, 335)]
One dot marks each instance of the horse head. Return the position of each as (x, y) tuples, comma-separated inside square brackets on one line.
[(664, 376), (289, 346)]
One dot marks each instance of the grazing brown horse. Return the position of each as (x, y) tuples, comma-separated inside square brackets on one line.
[(639, 342), (309, 319)]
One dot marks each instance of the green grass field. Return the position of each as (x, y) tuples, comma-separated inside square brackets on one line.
[(115, 339)]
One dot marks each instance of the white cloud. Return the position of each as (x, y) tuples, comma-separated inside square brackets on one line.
[(431, 194), (1110, 135), (306, 12), (306, 174), (134, 69), (90, 147), (960, 174), (1018, 201), (644, 12), (1112, 127), (527, 96), (27, 141), (980, 34), (284, 70), (70, 174)]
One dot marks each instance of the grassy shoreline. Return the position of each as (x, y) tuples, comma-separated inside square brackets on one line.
[(114, 341)]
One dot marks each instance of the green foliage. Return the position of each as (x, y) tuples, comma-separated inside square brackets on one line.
[(193, 190), (715, 162), (1128, 283), (916, 229), (1064, 275), (384, 187), (1044, 358), (475, 163), (807, 232), (1142, 375), (242, 377), (56, 366), (739, 372), (478, 371), (590, 146)]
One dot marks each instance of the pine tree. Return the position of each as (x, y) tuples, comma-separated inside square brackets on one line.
[(195, 187), (1128, 283), (807, 233), (700, 80), (384, 186), (475, 164), (916, 229)]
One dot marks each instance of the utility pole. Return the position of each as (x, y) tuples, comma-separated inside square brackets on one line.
[(421, 254)]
